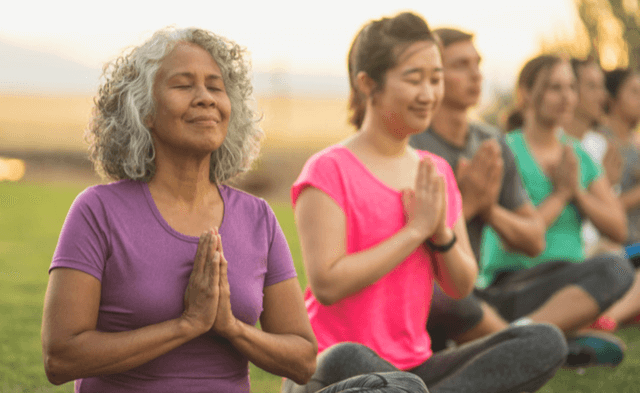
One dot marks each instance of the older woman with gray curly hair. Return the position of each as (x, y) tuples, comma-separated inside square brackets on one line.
[(141, 295)]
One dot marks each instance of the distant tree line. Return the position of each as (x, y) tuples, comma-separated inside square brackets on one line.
[(608, 32)]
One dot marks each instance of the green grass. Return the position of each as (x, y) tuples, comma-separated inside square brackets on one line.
[(30, 220)]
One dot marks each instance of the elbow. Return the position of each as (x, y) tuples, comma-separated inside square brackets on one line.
[(305, 372), (464, 292), (458, 294), (306, 367), (324, 293), (324, 298), (619, 232), (55, 370), (620, 235), (459, 291), (536, 247)]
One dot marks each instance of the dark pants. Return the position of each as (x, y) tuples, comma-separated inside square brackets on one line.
[(605, 277), (520, 358), (449, 318)]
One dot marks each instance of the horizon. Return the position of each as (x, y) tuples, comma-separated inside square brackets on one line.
[(280, 37)]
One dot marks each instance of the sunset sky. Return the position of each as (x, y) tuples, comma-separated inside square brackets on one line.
[(296, 36)]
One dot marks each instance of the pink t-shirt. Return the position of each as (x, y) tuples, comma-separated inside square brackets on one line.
[(389, 316)]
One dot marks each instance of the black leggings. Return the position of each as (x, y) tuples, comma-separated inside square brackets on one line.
[(605, 277), (517, 359)]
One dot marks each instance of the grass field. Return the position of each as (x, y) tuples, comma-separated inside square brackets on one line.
[(58, 123), (31, 216)]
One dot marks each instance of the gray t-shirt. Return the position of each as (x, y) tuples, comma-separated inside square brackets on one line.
[(512, 195), (630, 178)]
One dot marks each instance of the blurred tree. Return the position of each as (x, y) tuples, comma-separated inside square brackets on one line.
[(613, 31)]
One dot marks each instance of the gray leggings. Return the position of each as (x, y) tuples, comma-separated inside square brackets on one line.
[(605, 277), (517, 359)]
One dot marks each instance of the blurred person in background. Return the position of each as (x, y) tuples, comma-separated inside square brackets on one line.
[(559, 286), (141, 294), (584, 125), (379, 222), (623, 115), (491, 189)]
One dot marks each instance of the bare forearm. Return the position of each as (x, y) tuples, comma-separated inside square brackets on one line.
[(351, 273), (551, 208), (286, 355), (455, 269), (93, 353), (631, 199), (521, 233), (608, 218)]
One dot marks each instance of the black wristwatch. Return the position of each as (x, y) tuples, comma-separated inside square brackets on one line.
[(444, 247)]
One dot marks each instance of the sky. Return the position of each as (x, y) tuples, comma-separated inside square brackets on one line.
[(299, 37)]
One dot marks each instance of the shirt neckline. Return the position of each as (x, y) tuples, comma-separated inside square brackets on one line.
[(531, 157), (367, 171), (222, 189)]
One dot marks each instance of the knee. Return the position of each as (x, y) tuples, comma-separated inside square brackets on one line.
[(545, 340), (387, 382), (618, 271), (403, 382), (344, 353), (345, 360)]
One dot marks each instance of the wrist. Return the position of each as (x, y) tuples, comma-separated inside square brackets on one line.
[(470, 207), (442, 236), (487, 213), (442, 242), (187, 328), (234, 331), (416, 233)]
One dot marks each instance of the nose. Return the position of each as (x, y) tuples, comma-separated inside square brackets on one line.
[(427, 94), (204, 97), (475, 72)]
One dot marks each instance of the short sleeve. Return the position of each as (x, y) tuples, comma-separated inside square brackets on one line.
[(83, 241), (279, 261), (513, 194), (589, 169), (321, 171), (595, 144)]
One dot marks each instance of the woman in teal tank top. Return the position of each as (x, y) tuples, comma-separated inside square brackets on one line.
[(559, 286)]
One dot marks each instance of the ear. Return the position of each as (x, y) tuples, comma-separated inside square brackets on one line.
[(365, 84)]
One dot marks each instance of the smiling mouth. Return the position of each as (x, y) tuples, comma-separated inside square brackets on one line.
[(203, 120), (423, 112)]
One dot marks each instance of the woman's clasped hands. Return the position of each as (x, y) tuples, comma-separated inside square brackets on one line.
[(564, 175), (425, 206), (207, 299)]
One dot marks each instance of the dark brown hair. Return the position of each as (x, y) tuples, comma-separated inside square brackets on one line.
[(577, 64), (614, 80), (533, 77), (376, 49), (451, 36)]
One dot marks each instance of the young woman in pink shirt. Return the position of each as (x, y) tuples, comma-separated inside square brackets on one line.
[(379, 221)]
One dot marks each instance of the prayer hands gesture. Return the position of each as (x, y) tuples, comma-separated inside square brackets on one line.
[(480, 180), (425, 207), (207, 303), (564, 174), (225, 323)]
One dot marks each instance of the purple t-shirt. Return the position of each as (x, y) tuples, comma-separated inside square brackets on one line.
[(115, 233)]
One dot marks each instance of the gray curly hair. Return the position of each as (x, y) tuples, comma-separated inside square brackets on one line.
[(121, 146)]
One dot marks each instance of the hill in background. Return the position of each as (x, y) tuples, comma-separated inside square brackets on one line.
[(27, 71)]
